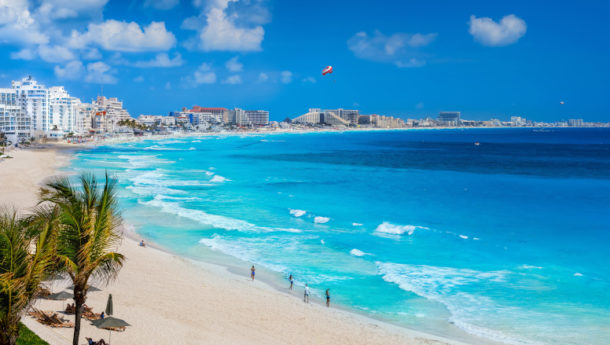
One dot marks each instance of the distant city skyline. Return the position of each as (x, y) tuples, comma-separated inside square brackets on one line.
[(486, 60)]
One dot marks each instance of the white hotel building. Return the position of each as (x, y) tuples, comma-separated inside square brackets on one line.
[(29, 109)]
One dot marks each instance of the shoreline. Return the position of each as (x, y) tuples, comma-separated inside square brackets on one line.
[(164, 295)]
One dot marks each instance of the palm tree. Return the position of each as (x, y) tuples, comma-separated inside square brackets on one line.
[(88, 232), (27, 248)]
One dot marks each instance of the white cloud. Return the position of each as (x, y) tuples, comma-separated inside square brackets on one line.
[(161, 60), (233, 79), (24, 54), (63, 9), (138, 79), (55, 53), (510, 29), (286, 77), (168, 86), (233, 65), (161, 4), (100, 73), (310, 80), (17, 24), (203, 75), (122, 36), (263, 77), (73, 70), (229, 25), (92, 54), (400, 49)]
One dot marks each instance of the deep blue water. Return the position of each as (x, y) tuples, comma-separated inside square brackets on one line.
[(508, 240)]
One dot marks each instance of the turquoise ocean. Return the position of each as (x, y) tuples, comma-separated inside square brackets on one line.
[(507, 241)]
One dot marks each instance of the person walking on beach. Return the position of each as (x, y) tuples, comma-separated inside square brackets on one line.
[(327, 298), (306, 294), (252, 272), (291, 279)]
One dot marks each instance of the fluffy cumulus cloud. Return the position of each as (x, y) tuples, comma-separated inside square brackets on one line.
[(100, 73), (161, 60), (234, 65), (203, 75), (229, 25), (18, 25), (161, 4), (262, 77), (55, 53), (122, 36), (71, 71), (286, 77), (24, 54), (309, 80), (233, 79), (401, 49), (490, 33), (63, 9)]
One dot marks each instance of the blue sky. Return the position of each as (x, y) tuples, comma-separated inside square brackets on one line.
[(402, 58)]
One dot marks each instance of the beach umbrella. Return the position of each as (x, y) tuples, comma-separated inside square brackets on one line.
[(90, 288), (109, 305), (110, 323), (59, 296)]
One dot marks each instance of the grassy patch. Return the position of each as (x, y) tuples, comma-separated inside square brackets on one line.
[(27, 337)]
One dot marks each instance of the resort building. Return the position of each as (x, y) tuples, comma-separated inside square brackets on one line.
[(62, 109), (449, 118), (85, 113), (108, 113), (14, 122), (316, 116), (34, 101)]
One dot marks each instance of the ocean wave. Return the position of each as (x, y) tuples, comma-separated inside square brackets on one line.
[(356, 224), (297, 213), (387, 228), (358, 252), (219, 179), (321, 220), (153, 190), (143, 161), (446, 285), (211, 220), (463, 237), (157, 178)]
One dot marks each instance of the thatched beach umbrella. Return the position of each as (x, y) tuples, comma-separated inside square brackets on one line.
[(90, 288), (110, 323), (109, 305), (59, 296)]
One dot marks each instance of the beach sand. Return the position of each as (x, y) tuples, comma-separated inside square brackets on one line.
[(172, 300)]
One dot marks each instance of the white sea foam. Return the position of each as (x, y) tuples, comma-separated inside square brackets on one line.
[(464, 237), (192, 148), (157, 178), (577, 274), (356, 224), (219, 179), (212, 220), (387, 228), (446, 285), (297, 213), (530, 267), (321, 220), (209, 173), (358, 252)]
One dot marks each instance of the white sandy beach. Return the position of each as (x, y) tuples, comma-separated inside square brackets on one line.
[(171, 300)]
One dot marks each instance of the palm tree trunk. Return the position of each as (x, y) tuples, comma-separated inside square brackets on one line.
[(79, 301), (9, 332)]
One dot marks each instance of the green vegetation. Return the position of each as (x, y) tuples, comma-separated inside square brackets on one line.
[(72, 230), (27, 337), (133, 124), (88, 221)]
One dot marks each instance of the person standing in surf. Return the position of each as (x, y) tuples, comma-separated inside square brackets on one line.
[(327, 298), (306, 294), (291, 279), (252, 272)]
